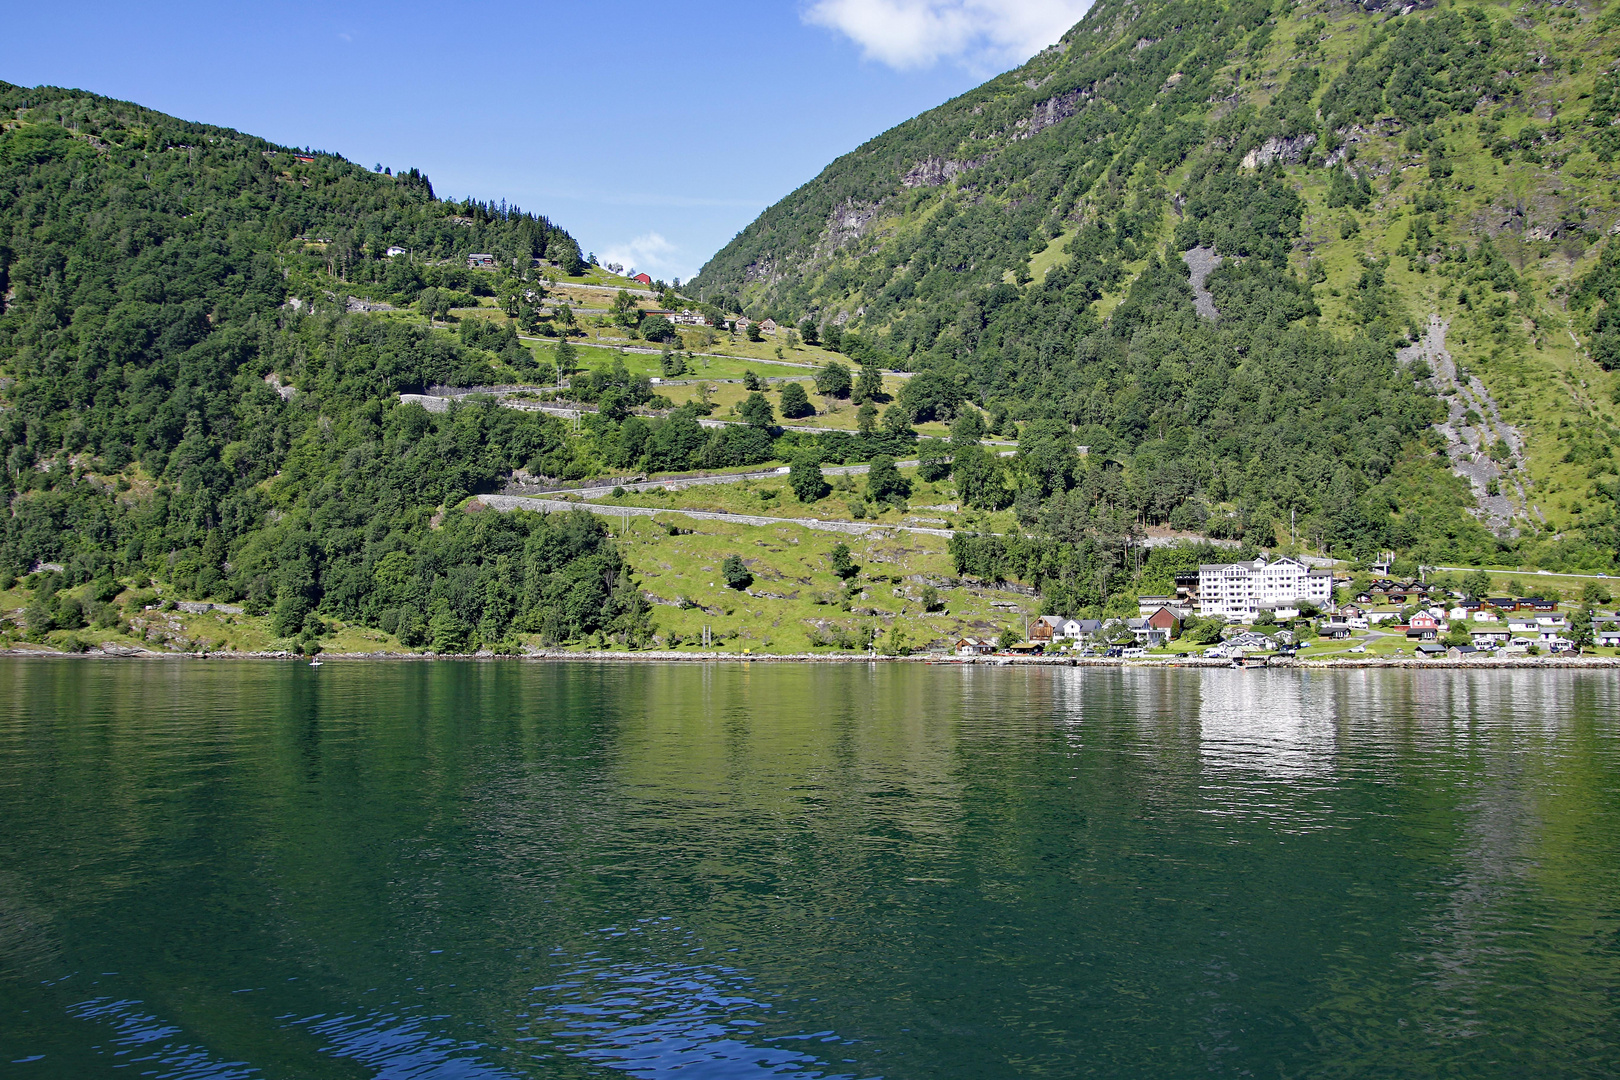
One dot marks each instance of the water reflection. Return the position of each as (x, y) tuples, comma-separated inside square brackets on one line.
[(657, 1019), (1277, 724), (504, 870), (401, 1047), (157, 1048)]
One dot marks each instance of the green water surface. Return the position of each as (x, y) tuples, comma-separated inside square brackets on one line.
[(508, 869)]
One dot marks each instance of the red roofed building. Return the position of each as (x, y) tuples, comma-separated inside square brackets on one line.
[(643, 278)]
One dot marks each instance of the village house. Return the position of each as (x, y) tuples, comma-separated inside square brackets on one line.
[(741, 324), (1608, 637), (1249, 641), (480, 262), (395, 250), (1168, 619), (768, 327), (971, 646), (1239, 591), (687, 318), (1146, 633), (1425, 620), (1490, 638), (643, 278), (1334, 631), (1058, 628)]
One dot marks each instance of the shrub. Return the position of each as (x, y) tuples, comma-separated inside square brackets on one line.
[(833, 380), (756, 410), (933, 460), (795, 402), (884, 484), (841, 562), (657, 328), (806, 480), (736, 573)]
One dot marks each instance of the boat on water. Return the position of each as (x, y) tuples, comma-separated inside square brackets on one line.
[(314, 663)]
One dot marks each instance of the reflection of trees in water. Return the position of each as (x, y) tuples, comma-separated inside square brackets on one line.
[(1496, 789), (1388, 870), (26, 944)]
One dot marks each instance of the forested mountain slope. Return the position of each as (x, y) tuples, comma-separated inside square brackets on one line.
[(166, 287), (1343, 172)]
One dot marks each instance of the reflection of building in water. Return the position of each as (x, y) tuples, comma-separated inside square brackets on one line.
[(1270, 722)]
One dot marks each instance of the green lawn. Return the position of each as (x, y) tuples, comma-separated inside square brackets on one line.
[(794, 587), (773, 497), (833, 414)]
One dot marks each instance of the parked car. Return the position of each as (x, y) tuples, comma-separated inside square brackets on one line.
[(1358, 648), (1132, 654)]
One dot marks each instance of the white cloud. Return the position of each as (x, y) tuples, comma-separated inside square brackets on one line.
[(917, 33), (649, 254)]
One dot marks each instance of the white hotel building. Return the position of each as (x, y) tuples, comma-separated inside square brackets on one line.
[(1239, 591)]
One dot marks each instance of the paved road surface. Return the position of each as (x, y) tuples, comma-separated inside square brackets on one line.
[(1517, 573), (677, 483), (853, 528)]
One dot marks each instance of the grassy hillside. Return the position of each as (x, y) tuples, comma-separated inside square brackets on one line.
[(1352, 173), (1188, 262)]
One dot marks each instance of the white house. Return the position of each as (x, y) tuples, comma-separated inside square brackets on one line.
[(1056, 628), (1238, 591), (1608, 637), (395, 250), (1146, 633)]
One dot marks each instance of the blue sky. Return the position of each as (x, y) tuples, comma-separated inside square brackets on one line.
[(653, 133)]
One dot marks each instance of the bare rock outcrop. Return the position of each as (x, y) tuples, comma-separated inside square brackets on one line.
[(1201, 262), (1483, 447)]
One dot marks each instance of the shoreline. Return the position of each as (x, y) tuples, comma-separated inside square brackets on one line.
[(652, 656)]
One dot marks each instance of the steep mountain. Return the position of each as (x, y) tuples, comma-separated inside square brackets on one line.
[(188, 393), (1317, 269)]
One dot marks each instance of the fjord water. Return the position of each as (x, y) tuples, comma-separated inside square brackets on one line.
[(507, 869)]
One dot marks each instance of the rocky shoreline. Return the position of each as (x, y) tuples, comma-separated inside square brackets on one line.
[(652, 656)]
